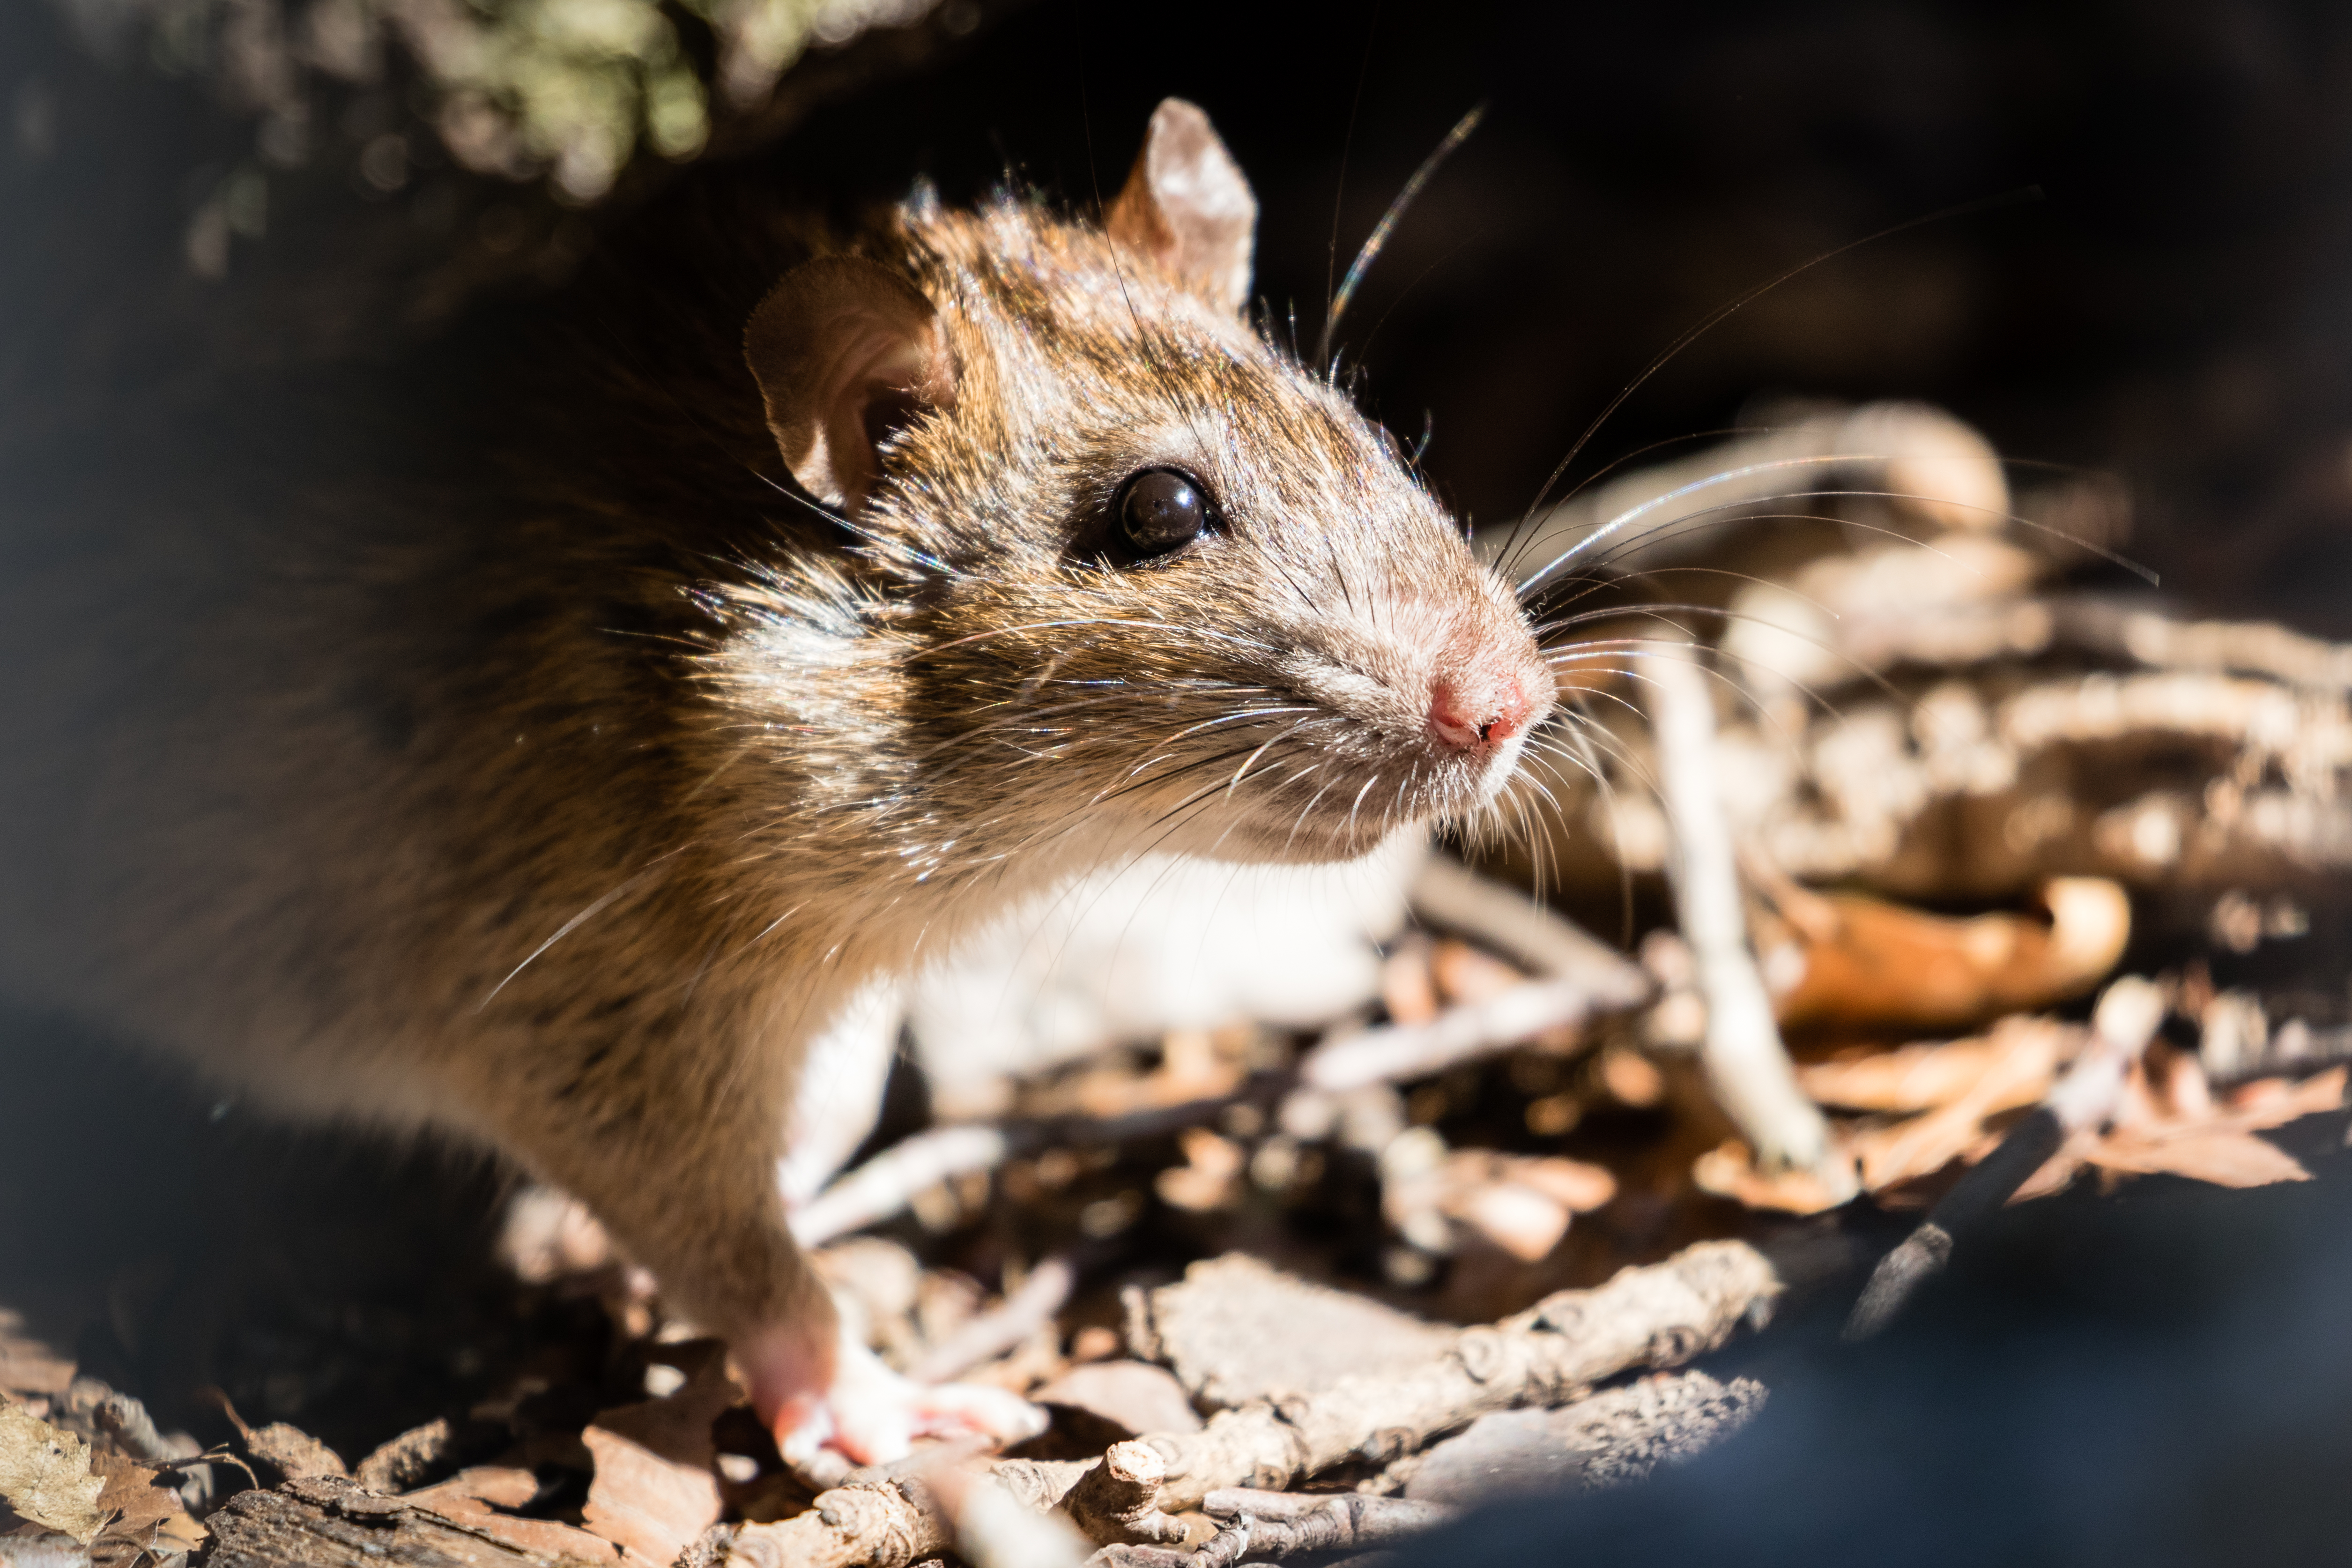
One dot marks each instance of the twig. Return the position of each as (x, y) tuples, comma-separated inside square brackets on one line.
[(883, 1185), (2087, 1095), (1653, 1316), (1745, 1061), (1117, 1501), (1447, 893), (889, 1181), (994, 1332), (1387, 1054), (1283, 1524)]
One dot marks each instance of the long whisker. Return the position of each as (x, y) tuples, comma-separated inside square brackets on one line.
[(1378, 238)]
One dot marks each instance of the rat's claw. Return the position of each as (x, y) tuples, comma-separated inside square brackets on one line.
[(873, 1415)]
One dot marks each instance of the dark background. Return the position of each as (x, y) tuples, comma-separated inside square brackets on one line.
[(2174, 308)]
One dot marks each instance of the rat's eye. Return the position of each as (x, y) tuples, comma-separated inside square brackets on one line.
[(1160, 509)]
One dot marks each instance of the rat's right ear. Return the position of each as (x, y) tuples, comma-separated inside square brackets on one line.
[(846, 351), (1187, 207)]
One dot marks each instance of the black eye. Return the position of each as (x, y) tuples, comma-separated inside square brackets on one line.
[(1160, 509)]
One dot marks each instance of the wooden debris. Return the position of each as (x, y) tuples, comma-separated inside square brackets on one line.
[(326, 1522), (294, 1452), (1235, 1330), (1133, 1395), (1650, 1317), (1746, 1066), (408, 1459), (1611, 1438)]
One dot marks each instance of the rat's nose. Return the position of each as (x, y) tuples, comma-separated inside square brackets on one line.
[(1485, 716)]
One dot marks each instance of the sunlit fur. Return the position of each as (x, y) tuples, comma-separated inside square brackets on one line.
[(503, 752), (982, 696)]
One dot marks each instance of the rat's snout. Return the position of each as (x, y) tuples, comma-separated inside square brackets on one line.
[(1470, 714)]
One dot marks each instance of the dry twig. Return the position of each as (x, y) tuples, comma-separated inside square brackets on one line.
[(1745, 1061)]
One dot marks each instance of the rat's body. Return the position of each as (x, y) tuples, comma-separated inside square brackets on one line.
[(558, 815)]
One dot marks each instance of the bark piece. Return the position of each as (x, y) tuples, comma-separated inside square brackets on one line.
[(1234, 1330), (1613, 1438), (1657, 1316), (400, 1464), (295, 1452), (325, 1522), (1131, 1394), (657, 1483)]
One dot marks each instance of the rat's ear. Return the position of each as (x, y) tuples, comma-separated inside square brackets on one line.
[(846, 351), (1187, 207)]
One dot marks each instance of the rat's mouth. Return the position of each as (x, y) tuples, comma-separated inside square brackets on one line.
[(1306, 802)]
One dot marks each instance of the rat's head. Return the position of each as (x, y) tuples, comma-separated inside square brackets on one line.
[(1145, 571)]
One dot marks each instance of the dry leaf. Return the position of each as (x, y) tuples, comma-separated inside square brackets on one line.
[(1729, 1171), (2196, 1138), (45, 1475), (1872, 964), (468, 1498), (148, 1516), (2020, 1062), (2225, 1157), (2215, 1144), (295, 1452), (1906, 1080), (656, 1482)]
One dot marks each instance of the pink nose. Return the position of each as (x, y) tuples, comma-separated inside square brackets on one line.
[(1489, 718)]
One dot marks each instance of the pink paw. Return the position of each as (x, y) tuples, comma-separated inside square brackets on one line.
[(869, 1413)]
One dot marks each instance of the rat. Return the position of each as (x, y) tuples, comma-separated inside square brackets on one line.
[(554, 816)]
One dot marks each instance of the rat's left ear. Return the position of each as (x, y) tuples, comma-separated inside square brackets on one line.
[(846, 351), (1187, 207)]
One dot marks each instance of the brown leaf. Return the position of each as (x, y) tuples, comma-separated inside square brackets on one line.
[(2223, 1157), (656, 1482), (468, 1498), (45, 1475), (1908, 1078), (294, 1451), (1869, 963), (1728, 1170), (477, 1489), (2021, 1059), (148, 1516)]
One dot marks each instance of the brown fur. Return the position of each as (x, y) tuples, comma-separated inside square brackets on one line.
[(558, 810)]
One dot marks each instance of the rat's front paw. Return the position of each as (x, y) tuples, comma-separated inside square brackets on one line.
[(853, 1404)]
